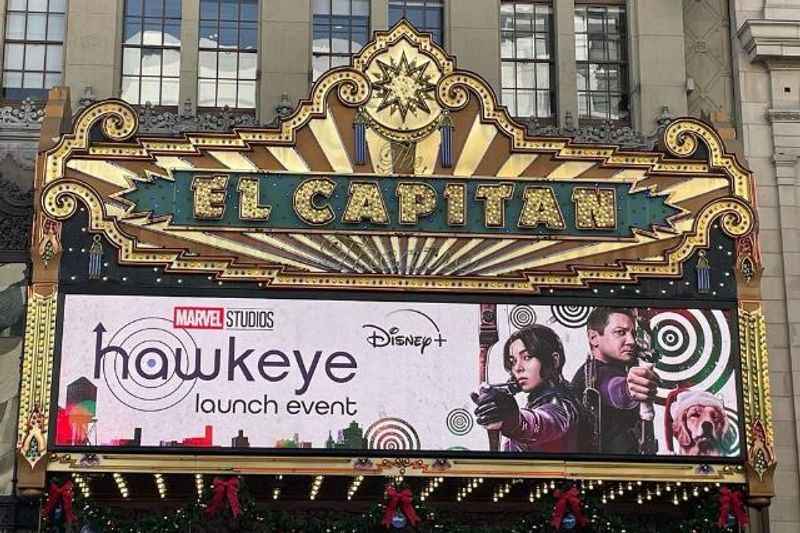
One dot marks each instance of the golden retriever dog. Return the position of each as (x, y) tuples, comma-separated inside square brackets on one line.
[(697, 421)]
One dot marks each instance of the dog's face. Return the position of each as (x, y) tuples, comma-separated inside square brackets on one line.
[(699, 430)]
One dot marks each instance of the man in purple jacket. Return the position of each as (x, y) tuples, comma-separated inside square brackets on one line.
[(611, 385)]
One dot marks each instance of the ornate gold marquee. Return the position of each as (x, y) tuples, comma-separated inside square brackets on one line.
[(403, 109)]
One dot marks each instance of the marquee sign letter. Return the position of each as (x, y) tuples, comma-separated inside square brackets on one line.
[(594, 208), (209, 196), (248, 200), (305, 205), (415, 200), (365, 202), (494, 197), (456, 196), (540, 207)]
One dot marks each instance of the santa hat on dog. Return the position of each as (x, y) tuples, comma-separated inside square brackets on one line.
[(680, 399)]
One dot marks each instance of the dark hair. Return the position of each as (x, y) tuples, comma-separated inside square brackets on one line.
[(541, 342), (598, 318)]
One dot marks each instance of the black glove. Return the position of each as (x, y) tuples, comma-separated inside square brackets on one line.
[(496, 406)]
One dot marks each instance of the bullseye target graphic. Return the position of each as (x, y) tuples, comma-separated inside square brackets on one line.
[(460, 422), (694, 347), (571, 316), (392, 434), (140, 362), (732, 440), (522, 316)]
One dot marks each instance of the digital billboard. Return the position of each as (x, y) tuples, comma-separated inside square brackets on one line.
[(377, 377)]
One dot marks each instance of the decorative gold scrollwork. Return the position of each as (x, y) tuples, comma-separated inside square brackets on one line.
[(37, 374)]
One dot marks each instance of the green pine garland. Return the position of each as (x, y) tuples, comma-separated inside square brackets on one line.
[(260, 518)]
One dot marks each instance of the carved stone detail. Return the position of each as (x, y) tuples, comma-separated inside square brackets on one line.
[(16, 216), (604, 133), (27, 114)]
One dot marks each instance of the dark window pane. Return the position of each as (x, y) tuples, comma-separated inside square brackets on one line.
[(416, 16), (248, 36), (395, 14), (209, 9), (153, 8), (172, 34), (249, 11), (133, 33), (229, 9), (228, 36), (133, 7), (172, 8), (209, 36)]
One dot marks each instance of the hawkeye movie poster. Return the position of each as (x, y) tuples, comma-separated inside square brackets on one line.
[(397, 377)]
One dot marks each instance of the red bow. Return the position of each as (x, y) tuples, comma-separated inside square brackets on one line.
[(731, 501), (62, 495), (403, 499), (224, 489), (567, 500)]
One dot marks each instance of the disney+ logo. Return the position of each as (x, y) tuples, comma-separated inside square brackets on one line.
[(419, 333)]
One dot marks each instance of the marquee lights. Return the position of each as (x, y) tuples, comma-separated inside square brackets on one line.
[(122, 485)]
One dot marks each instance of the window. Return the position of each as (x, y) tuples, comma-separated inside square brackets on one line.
[(228, 53), (601, 53), (34, 47), (526, 58), (151, 51), (341, 28), (425, 15)]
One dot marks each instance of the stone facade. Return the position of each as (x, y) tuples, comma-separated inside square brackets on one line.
[(767, 72), (735, 63)]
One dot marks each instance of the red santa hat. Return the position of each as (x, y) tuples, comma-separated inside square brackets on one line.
[(680, 399)]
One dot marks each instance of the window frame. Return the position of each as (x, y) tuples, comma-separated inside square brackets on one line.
[(142, 47), (623, 63), (515, 60), (22, 92), (403, 5), (330, 24), (219, 49)]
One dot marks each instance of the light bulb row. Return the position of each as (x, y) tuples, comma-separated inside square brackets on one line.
[(467, 489), (315, 487), (432, 485), (122, 485), (354, 486), (83, 484)]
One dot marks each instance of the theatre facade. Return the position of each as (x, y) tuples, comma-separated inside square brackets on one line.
[(396, 284)]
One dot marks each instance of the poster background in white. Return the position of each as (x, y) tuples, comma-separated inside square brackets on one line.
[(397, 381)]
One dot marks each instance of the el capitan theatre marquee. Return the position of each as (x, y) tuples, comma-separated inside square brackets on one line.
[(396, 276)]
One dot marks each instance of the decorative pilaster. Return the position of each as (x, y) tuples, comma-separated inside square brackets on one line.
[(37, 371)]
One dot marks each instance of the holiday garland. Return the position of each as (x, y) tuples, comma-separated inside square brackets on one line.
[(243, 514)]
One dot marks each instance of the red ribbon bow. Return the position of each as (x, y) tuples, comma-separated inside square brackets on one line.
[(224, 489), (62, 495), (403, 500), (731, 501), (567, 500)]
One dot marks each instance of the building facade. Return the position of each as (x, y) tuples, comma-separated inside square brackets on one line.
[(605, 72)]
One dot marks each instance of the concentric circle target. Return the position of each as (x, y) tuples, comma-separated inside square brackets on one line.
[(460, 422), (141, 360), (522, 316), (571, 316), (694, 348), (392, 434), (732, 440)]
